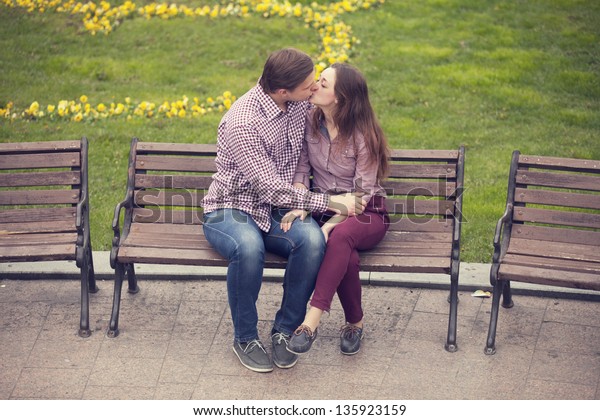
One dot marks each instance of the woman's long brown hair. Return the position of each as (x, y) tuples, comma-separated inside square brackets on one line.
[(354, 113)]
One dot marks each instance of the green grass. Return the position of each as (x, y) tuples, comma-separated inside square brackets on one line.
[(494, 76)]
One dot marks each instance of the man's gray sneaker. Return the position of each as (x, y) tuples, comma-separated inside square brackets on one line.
[(282, 358), (253, 355)]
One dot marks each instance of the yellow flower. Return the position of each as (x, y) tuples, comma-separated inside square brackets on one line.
[(51, 108), (101, 107), (83, 99), (33, 108)]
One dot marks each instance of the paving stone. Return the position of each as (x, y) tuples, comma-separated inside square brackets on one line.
[(51, 384)]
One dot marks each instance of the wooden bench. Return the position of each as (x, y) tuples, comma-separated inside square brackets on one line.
[(44, 208), (162, 216), (550, 231)]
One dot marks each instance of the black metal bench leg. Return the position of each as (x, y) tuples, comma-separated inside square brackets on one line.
[(451, 345), (131, 279), (507, 301), (113, 327), (84, 319), (93, 288), (490, 347)]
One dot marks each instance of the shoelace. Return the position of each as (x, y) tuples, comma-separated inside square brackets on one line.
[(304, 328), (281, 337), (349, 330), (251, 344)]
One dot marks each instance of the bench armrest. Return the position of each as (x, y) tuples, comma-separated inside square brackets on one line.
[(127, 205), (82, 220), (82, 224), (500, 236)]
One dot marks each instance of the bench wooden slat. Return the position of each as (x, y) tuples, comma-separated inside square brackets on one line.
[(400, 237), (207, 257), (38, 253), (38, 227), (552, 263), (181, 198), (560, 278), (173, 181), (557, 234), (426, 189), (419, 207), (154, 241), (558, 180), (433, 155), (417, 250), (37, 213), (40, 146), (168, 216), (392, 246), (36, 238), (554, 249), (557, 198), (166, 228), (426, 224), (555, 217), (39, 160), (34, 179), (423, 171), (560, 163), (175, 164), (25, 197), (417, 264), (176, 148)]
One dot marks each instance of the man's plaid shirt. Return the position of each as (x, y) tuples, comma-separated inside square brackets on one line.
[(258, 146)]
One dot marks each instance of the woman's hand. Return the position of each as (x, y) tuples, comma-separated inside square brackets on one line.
[(290, 216), (325, 233), (330, 224)]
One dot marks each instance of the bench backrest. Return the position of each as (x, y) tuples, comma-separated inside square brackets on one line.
[(169, 180), (425, 189), (555, 200), (41, 184)]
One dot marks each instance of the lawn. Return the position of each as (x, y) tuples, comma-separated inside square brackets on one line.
[(494, 76)]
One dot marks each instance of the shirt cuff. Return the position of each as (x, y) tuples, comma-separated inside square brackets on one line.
[(317, 202), (303, 179)]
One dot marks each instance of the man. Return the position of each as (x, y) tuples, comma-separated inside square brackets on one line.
[(258, 145)]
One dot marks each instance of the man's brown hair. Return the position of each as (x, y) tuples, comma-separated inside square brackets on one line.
[(286, 69)]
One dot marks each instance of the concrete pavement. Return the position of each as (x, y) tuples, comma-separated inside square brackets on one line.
[(175, 341)]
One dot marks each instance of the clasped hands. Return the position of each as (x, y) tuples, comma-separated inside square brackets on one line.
[(349, 204)]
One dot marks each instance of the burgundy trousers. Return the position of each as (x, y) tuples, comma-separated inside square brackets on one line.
[(340, 268)]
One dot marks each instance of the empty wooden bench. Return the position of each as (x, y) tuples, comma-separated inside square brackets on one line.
[(550, 231), (44, 208), (162, 216)]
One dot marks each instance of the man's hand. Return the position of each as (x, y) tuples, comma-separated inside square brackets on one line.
[(349, 204), (290, 216)]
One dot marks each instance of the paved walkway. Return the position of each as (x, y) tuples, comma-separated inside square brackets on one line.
[(176, 334)]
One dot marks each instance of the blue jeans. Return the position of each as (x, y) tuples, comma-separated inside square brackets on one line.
[(235, 235)]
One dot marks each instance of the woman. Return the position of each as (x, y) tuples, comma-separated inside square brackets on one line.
[(344, 150)]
